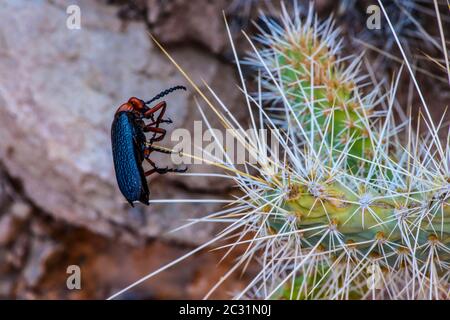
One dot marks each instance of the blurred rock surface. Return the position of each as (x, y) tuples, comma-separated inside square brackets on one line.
[(33, 265), (58, 93), (200, 21)]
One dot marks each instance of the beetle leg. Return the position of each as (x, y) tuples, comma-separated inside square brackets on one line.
[(168, 120), (147, 152), (155, 130), (157, 123), (162, 105), (150, 172), (150, 128), (162, 170), (147, 173), (165, 170), (149, 114), (151, 148)]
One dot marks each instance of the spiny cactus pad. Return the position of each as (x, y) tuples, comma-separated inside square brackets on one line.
[(356, 206)]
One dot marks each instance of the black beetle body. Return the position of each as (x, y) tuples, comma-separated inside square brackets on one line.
[(128, 145)]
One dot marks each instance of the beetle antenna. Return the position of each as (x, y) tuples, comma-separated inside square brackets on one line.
[(165, 92)]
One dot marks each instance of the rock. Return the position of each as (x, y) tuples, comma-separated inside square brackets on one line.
[(9, 227), (199, 21), (16, 255), (101, 262), (176, 22), (4, 191), (11, 222), (20, 210), (40, 228), (40, 254), (5, 267), (58, 93), (6, 287)]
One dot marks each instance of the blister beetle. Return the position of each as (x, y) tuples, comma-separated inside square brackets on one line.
[(130, 146)]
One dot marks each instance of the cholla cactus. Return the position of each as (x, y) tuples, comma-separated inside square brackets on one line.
[(320, 87), (351, 209)]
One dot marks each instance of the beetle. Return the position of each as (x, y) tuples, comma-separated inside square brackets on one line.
[(130, 146)]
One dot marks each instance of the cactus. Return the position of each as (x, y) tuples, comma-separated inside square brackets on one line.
[(353, 209), (321, 90)]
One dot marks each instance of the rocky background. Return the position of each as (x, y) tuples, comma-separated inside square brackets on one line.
[(59, 89), (59, 203)]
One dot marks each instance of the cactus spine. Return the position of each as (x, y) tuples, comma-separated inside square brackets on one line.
[(351, 197)]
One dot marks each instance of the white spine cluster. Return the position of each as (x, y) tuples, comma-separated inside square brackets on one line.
[(357, 206)]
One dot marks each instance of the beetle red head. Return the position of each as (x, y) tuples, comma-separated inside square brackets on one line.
[(137, 104), (134, 105)]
